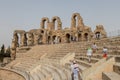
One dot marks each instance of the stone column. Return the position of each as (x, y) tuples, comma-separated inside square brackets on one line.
[(45, 37), (15, 37), (13, 50), (30, 39), (36, 39)]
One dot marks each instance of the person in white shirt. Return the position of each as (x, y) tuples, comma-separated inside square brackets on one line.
[(105, 51), (89, 54), (94, 47)]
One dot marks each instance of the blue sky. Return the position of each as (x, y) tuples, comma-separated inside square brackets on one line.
[(27, 14)]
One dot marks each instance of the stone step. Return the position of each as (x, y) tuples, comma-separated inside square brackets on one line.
[(54, 73), (83, 63), (46, 72), (117, 59), (59, 72), (116, 68), (41, 75), (85, 58), (35, 76), (110, 76), (64, 71)]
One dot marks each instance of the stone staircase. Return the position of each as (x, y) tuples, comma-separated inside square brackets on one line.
[(115, 74), (42, 62)]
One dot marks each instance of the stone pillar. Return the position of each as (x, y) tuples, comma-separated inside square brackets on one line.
[(44, 40), (15, 37), (30, 39), (13, 50), (36, 39)]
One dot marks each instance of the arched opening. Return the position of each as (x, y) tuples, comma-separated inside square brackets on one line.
[(54, 39), (45, 24), (86, 36), (42, 31), (68, 38), (77, 21), (79, 37), (75, 18), (73, 38), (25, 39), (49, 39), (40, 39), (97, 35), (59, 39), (55, 24)]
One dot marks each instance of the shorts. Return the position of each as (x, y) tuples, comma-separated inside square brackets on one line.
[(104, 55)]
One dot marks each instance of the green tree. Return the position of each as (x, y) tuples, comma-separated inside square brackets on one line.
[(3, 49), (2, 53)]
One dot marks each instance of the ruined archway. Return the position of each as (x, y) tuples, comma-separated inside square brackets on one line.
[(68, 38), (40, 39), (20, 37), (54, 39), (16, 38), (44, 23), (59, 23), (97, 35), (59, 39), (78, 18), (48, 39), (79, 37), (86, 36)]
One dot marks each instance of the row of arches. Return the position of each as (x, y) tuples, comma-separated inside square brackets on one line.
[(56, 24), (30, 39)]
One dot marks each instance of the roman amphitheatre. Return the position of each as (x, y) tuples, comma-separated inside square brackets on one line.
[(45, 53)]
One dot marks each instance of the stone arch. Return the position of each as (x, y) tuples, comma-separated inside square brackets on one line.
[(68, 37), (59, 23), (20, 36), (40, 39), (79, 22), (43, 20), (99, 32), (54, 39), (59, 39), (48, 39), (86, 36), (16, 38), (97, 35), (79, 37)]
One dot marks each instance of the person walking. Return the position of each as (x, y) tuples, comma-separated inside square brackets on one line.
[(105, 51), (89, 54), (76, 71), (94, 47)]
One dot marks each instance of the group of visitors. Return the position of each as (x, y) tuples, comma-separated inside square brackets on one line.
[(74, 66), (93, 49)]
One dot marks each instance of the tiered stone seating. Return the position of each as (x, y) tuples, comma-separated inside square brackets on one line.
[(115, 75), (41, 61)]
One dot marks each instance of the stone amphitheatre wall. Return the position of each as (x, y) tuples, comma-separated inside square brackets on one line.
[(51, 32)]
